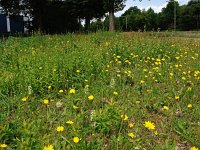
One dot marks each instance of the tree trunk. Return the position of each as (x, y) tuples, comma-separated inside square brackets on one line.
[(87, 24), (111, 21)]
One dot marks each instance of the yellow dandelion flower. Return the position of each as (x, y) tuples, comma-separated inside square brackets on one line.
[(141, 81), (115, 93), (3, 146), (78, 71), (48, 147), (149, 125), (60, 128), (189, 105), (156, 132), (193, 148), (165, 107), (72, 91), (76, 139), (46, 101), (75, 107), (70, 122), (49, 87), (177, 97), (183, 78), (61, 91), (91, 97), (130, 125), (124, 117), (24, 99), (131, 135)]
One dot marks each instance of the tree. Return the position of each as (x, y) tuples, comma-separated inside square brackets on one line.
[(112, 6)]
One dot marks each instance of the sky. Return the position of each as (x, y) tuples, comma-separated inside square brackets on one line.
[(156, 5)]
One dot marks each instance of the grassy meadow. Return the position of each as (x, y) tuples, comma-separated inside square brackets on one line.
[(112, 91)]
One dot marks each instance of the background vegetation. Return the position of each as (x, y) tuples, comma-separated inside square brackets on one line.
[(56, 16)]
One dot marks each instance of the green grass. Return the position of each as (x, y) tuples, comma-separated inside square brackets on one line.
[(146, 73)]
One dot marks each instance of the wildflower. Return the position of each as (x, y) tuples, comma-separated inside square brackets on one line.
[(77, 71), (24, 99), (49, 87), (130, 125), (156, 132), (115, 93), (75, 107), (46, 101), (131, 135), (61, 91), (76, 139), (189, 105), (149, 125), (49, 147), (183, 78), (165, 107), (70, 122), (72, 91), (137, 102), (3, 145), (58, 104), (124, 117), (141, 81), (60, 128), (177, 97), (91, 97), (193, 148)]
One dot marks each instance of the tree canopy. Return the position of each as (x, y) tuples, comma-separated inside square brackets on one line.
[(60, 16)]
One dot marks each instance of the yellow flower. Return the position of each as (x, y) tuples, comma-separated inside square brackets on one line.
[(130, 125), (77, 71), (115, 93), (141, 81), (149, 125), (3, 145), (72, 91), (49, 147), (193, 148), (60, 128), (70, 122), (61, 91), (76, 139), (156, 132), (91, 97), (166, 107), (177, 97), (183, 78), (46, 101), (24, 99), (131, 135), (75, 107), (189, 105), (124, 117), (49, 87)]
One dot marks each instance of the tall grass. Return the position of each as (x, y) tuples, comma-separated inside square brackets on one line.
[(134, 78)]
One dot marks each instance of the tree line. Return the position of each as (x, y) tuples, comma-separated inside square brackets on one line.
[(60, 16)]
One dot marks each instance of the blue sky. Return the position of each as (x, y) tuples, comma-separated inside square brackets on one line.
[(157, 5)]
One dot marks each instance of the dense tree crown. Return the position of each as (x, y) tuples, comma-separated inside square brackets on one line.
[(60, 16)]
